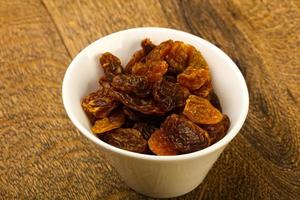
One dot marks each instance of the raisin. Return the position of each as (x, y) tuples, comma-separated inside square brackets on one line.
[(113, 121), (132, 114), (140, 55), (193, 78), (137, 57), (146, 106), (200, 111), (205, 90), (131, 84), (217, 131), (97, 105), (160, 51), (154, 67), (125, 138), (160, 144), (147, 45), (153, 70), (146, 129), (111, 65), (169, 95), (137, 116), (184, 135), (196, 60), (177, 57)]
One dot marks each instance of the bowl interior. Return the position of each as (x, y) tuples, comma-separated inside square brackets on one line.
[(84, 72)]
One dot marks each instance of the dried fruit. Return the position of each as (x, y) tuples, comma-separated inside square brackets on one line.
[(168, 95), (160, 51), (131, 84), (146, 106), (111, 65), (160, 144), (140, 55), (132, 114), (184, 135), (115, 120), (98, 105), (177, 57), (200, 111), (137, 116), (193, 78), (153, 70), (196, 60), (125, 138), (147, 45), (217, 131), (145, 128), (205, 90), (143, 105)]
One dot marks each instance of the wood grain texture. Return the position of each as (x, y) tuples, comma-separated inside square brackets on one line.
[(42, 156)]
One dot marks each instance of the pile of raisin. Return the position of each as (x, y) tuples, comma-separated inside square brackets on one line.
[(161, 103)]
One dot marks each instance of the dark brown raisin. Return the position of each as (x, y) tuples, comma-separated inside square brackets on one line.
[(125, 138), (217, 131), (111, 65), (184, 135)]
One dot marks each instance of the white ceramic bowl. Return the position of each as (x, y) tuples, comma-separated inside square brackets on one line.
[(156, 176)]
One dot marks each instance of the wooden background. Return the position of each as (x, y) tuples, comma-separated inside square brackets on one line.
[(43, 156)]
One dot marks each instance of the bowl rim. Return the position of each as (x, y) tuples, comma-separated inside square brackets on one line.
[(218, 145)]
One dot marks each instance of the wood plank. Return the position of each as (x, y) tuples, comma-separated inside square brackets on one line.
[(86, 21)]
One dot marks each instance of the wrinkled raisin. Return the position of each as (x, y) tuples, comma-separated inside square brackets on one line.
[(111, 65), (153, 70), (160, 51), (169, 95), (160, 144), (217, 131), (113, 121), (146, 129), (131, 84), (97, 105), (140, 55), (125, 138), (193, 78), (204, 91), (200, 111), (184, 135), (196, 60), (146, 106), (177, 57), (147, 45)]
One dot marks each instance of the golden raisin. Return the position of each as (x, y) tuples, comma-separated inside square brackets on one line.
[(115, 120), (160, 144), (193, 78), (200, 111)]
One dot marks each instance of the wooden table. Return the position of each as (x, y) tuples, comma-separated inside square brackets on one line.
[(43, 156)]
